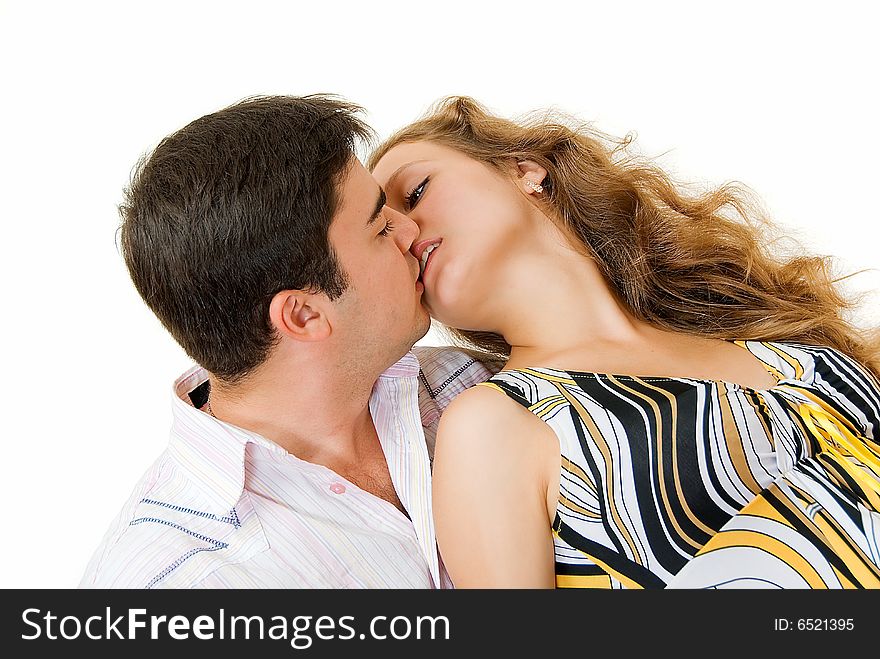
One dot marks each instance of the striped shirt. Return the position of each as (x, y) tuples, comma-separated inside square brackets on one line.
[(693, 483), (223, 507)]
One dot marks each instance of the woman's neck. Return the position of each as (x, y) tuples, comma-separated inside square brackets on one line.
[(561, 304)]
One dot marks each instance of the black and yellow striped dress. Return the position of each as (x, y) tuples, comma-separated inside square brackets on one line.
[(679, 482)]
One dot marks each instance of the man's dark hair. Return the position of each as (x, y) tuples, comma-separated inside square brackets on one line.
[(230, 210)]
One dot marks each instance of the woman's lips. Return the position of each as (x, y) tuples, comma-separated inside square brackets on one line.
[(428, 262), (423, 251)]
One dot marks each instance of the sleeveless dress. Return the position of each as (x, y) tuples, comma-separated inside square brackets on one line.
[(691, 483)]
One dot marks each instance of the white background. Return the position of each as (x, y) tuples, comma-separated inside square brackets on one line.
[(780, 95)]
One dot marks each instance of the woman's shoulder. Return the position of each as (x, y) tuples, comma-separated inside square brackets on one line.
[(485, 406), (528, 386), (483, 421), (787, 360), (808, 363)]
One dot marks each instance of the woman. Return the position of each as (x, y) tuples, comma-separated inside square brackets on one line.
[(677, 407)]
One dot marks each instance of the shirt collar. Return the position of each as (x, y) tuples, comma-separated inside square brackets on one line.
[(213, 452), (406, 367)]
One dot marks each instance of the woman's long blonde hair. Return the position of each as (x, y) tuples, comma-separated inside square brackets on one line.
[(694, 263)]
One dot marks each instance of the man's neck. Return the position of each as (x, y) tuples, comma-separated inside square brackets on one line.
[(316, 412), (318, 415)]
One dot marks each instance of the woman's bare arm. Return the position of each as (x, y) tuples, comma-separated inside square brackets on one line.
[(490, 480)]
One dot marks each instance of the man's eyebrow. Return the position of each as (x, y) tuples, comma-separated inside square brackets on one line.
[(380, 204)]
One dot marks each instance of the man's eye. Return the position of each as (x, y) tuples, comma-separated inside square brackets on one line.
[(389, 227), (413, 196)]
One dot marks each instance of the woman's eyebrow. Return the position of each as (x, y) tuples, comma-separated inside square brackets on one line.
[(400, 170)]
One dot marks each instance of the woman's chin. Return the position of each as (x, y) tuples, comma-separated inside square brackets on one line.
[(452, 317), (440, 315), (445, 302)]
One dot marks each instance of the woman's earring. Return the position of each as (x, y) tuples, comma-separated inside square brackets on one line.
[(537, 187)]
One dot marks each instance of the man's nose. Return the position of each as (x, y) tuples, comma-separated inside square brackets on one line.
[(408, 231)]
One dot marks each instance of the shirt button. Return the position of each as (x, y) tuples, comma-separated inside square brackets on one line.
[(337, 488)]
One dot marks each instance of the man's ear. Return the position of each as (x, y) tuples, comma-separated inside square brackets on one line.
[(300, 315), (532, 172)]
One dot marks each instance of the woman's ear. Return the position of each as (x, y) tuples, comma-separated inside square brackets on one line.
[(531, 176), (300, 315)]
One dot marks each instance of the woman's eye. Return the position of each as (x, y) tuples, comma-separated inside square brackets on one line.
[(389, 227), (413, 196)]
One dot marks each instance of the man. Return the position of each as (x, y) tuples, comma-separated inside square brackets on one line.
[(300, 447)]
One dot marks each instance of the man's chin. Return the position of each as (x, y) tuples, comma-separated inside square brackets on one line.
[(423, 327), (419, 332), (407, 345)]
